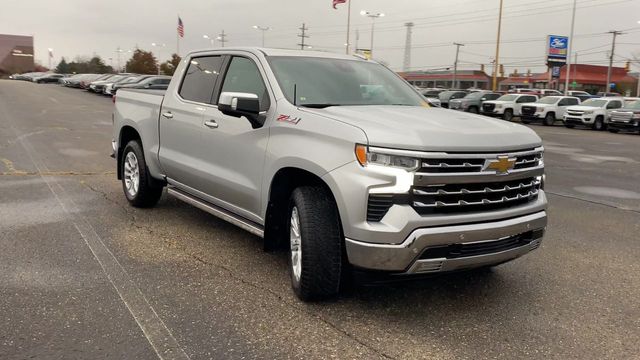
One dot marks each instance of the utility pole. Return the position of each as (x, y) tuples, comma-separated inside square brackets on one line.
[(575, 69), (406, 64), (497, 61), (303, 35), (222, 38), (613, 50), (566, 75), (455, 65)]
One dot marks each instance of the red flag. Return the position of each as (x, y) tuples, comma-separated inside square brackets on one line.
[(336, 2), (180, 28)]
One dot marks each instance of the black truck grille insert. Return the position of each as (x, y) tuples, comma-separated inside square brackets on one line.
[(454, 251)]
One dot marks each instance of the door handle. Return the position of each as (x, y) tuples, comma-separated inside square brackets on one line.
[(211, 124), (168, 115)]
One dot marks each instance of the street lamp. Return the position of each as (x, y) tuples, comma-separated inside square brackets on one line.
[(211, 40), (263, 29), (50, 55), (373, 17), (158, 45), (120, 51)]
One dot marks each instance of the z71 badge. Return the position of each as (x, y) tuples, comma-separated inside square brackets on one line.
[(289, 119)]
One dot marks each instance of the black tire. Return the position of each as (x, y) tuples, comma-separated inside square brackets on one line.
[(598, 124), (615, 131), (549, 119), (321, 243), (508, 115), (149, 191), (473, 110)]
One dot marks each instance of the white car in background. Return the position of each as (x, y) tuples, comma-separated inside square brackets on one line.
[(548, 109), (593, 113), (507, 106)]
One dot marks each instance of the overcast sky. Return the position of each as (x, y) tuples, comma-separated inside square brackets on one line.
[(82, 28)]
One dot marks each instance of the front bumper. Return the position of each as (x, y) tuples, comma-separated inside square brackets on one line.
[(629, 125), (575, 120), (405, 258), (495, 112)]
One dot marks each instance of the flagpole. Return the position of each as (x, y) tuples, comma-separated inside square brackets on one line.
[(348, 24), (178, 39)]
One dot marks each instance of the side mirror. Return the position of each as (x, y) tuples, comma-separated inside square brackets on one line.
[(241, 104), (147, 86)]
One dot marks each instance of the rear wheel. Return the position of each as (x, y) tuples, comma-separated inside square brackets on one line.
[(508, 115), (598, 124), (473, 110), (549, 119), (315, 244), (139, 188)]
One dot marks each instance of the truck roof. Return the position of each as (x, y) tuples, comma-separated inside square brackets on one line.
[(284, 52)]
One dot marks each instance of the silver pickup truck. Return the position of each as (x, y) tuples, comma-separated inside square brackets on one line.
[(337, 159)]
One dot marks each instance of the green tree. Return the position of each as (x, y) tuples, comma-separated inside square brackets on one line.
[(169, 67), (63, 67), (142, 62)]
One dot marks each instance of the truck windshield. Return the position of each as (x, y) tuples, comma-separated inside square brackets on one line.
[(595, 103), (324, 82), (549, 100), (507, 98)]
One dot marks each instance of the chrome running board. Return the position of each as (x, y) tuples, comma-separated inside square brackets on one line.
[(218, 212)]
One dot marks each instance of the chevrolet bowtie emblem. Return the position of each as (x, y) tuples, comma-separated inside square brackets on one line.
[(502, 165)]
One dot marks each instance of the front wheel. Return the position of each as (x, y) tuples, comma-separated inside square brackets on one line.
[(315, 244), (138, 187), (473, 110), (508, 115), (549, 119), (598, 124)]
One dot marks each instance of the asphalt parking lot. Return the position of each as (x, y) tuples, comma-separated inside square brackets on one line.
[(83, 275)]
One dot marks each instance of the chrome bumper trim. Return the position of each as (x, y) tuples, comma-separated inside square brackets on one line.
[(403, 257)]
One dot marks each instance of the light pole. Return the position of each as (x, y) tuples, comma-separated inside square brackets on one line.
[(211, 40), (120, 51), (158, 45), (566, 75), (497, 59), (264, 29), (50, 55), (455, 65), (373, 17)]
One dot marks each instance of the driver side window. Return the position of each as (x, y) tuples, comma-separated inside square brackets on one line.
[(243, 76)]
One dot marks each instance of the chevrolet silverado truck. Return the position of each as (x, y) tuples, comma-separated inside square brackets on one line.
[(627, 118), (592, 113), (507, 106), (547, 110), (335, 158)]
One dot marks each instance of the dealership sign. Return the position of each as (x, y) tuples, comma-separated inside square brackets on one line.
[(557, 49)]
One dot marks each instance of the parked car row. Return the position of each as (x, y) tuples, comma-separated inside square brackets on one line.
[(547, 106), (106, 84)]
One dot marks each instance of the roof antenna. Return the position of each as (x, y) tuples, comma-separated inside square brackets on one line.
[(295, 95)]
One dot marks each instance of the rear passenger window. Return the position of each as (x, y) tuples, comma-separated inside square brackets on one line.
[(573, 101), (200, 79), (614, 105)]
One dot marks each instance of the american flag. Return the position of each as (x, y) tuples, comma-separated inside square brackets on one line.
[(180, 27), (336, 2)]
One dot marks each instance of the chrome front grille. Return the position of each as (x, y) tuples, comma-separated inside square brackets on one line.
[(621, 116), (477, 163), (448, 183), (575, 112), (474, 196)]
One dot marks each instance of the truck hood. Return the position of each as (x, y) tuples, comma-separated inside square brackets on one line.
[(432, 129), (501, 102), (583, 108)]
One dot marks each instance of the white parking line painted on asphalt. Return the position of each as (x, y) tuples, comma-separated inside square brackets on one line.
[(54, 100), (158, 335)]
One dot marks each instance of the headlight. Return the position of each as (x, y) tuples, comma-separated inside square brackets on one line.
[(540, 109), (366, 157), (498, 106), (588, 112), (636, 116)]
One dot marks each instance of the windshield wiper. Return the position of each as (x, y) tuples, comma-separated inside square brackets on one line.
[(318, 106)]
